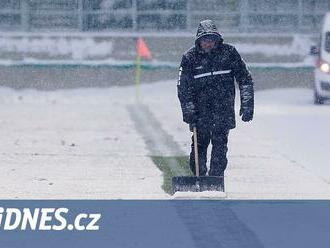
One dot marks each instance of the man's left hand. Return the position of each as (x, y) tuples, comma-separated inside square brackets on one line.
[(247, 114)]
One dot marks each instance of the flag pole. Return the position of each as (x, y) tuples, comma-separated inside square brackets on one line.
[(142, 51)]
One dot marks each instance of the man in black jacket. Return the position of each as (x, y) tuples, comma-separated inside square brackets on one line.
[(206, 91)]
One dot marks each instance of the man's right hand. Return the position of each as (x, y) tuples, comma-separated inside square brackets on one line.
[(189, 113)]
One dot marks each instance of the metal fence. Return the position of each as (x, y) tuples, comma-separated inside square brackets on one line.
[(161, 15)]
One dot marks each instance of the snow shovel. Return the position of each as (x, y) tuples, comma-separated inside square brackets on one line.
[(197, 183)]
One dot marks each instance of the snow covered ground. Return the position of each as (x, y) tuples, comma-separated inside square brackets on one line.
[(83, 144), (282, 154), (72, 144)]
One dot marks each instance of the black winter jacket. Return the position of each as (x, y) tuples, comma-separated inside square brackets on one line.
[(206, 82)]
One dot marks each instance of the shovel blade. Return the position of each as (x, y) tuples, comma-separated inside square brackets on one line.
[(198, 184)]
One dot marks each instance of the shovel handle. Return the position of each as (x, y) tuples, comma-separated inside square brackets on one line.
[(196, 151)]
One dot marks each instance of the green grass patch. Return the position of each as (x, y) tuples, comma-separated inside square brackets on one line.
[(166, 164)]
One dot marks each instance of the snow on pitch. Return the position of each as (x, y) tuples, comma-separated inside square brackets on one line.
[(83, 144), (73, 144), (282, 154)]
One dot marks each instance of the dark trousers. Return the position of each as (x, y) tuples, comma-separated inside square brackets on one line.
[(219, 139)]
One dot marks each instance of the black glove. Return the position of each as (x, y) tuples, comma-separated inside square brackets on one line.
[(189, 113), (246, 113)]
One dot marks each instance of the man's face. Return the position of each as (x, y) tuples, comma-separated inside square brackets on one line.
[(207, 44)]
